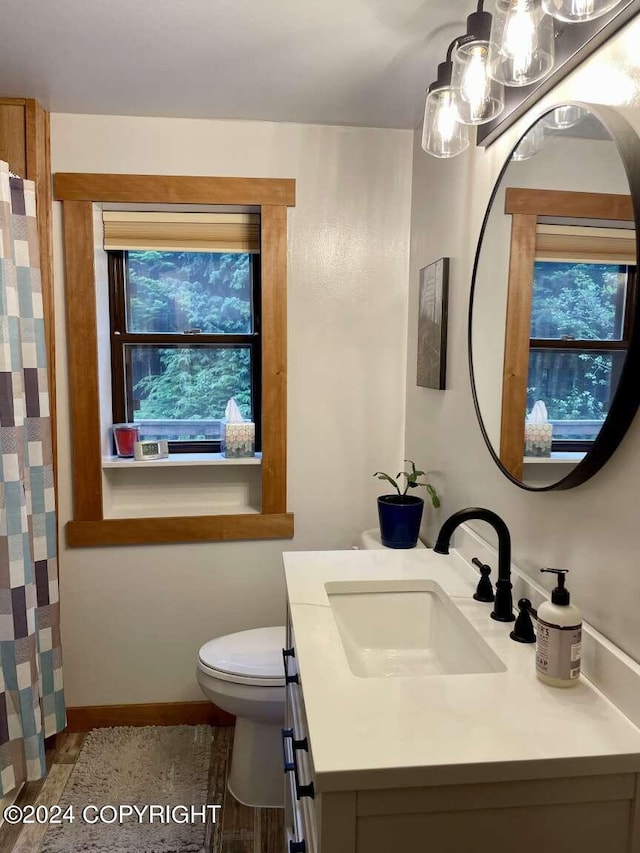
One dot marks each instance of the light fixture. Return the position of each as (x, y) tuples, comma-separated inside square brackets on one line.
[(443, 134), (575, 11), (562, 118), (530, 144), (480, 98), (513, 47), (522, 42)]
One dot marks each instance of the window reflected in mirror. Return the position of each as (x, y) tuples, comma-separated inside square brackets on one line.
[(553, 303), (579, 334)]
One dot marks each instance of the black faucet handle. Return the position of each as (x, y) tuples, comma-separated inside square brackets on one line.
[(523, 631), (484, 590)]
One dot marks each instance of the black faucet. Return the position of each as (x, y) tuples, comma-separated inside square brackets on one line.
[(503, 606)]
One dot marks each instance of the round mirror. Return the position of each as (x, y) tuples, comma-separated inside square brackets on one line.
[(554, 338)]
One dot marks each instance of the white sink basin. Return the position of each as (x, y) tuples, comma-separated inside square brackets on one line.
[(406, 628)]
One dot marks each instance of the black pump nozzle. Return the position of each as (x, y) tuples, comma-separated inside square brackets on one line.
[(560, 595)]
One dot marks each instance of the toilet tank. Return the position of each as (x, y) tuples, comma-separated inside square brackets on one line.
[(370, 540)]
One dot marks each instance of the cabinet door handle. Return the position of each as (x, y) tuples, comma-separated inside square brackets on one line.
[(300, 743), (289, 679), (287, 765), (295, 846), (305, 791), (292, 766)]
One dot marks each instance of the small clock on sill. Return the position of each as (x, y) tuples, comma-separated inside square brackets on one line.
[(146, 449)]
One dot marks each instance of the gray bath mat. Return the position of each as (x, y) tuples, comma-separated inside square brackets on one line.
[(150, 765)]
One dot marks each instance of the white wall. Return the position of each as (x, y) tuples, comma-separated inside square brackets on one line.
[(134, 618), (593, 529)]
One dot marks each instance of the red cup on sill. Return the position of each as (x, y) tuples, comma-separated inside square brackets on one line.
[(125, 435)]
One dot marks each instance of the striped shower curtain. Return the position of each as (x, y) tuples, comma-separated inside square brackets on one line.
[(31, 696)]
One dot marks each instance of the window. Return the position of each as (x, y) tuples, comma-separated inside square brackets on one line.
[(580, 328), (570, 295), (185, 338), (94, 523)]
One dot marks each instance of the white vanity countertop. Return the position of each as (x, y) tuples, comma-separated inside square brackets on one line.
[(442, 729)]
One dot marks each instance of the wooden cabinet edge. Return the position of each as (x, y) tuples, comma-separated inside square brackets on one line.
[(178, 529), (34, 164)]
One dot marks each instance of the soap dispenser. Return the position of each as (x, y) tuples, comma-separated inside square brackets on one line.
[(558, 637)]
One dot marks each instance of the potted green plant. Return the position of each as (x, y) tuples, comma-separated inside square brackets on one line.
[(400, 514)]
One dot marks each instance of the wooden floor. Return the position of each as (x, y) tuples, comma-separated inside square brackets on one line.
[(241, 830)]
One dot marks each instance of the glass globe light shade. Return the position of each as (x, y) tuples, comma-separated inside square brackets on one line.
[(480, 98), (574, 11), (565, 117), (530, 144), (522, 42), (443, 135)]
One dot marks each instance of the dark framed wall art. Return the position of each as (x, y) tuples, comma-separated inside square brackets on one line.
[(432, 325)]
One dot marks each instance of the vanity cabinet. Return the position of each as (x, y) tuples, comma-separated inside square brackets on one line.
[(315, 820), (529, 812), (389, 748)]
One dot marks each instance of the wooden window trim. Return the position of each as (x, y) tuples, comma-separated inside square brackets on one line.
[(568, 204), (161, 531), (78, 192), (516, 355), (525, 206), (173, 189)]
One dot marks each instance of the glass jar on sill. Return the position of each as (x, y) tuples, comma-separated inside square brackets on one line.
[(125, 435)]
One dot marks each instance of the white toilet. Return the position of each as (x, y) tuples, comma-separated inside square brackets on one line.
[(243, 674)]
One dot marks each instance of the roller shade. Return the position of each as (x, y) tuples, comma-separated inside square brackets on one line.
[(181, 232), (586, 245)]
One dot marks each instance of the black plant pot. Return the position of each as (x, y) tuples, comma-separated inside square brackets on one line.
[(400, 517)]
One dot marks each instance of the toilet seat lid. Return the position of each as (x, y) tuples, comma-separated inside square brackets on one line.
[(254, 654)]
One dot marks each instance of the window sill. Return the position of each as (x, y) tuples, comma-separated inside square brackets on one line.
[(196, 497), (180, 460), (557, 458)]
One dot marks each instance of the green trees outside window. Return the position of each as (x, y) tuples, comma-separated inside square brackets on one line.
[(187, 334), (178, 291), (577, 344)]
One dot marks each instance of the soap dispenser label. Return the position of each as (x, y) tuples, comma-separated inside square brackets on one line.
[(558, 650)]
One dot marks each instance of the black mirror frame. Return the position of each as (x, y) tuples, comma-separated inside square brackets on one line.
[(626, 399)]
